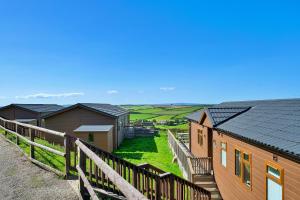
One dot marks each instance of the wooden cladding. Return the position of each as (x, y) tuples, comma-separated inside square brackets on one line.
[(229, 179)]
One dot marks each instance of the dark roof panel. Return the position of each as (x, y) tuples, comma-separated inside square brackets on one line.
[(40, 108), (195, 116), (107, 108), (221, 114), (274, 123)]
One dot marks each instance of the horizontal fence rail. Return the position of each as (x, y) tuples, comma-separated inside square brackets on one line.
[(106, 172), (149, 180), (191, 165), (28, 134), (102, 173)]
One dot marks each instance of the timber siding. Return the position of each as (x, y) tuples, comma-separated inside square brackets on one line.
[(102, 139), (230, 185), (70, 120), (197, 149), (12, 113)]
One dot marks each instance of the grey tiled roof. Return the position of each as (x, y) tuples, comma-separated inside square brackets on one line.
[(195, 116), (106, 108), (40, 108), (272, 123), (221, 114), (94, 128), (218, 114)]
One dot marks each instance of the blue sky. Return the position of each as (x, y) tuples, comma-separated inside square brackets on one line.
[(124, 52)]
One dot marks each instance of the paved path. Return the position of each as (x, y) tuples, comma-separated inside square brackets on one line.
[(20, 179)]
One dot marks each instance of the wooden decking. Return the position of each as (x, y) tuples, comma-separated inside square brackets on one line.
[(197, 170)]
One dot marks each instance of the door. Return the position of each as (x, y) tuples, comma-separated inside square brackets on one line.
[(210, 142), (274, 182)]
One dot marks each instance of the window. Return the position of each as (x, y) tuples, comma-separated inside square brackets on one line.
[(274, 182), (223, 153), (237, 163), (200, 137), (243, 166), (246, 169), (91, 137)]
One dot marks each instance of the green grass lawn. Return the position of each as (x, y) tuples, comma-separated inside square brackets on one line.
[(153, 150), (46, 157)]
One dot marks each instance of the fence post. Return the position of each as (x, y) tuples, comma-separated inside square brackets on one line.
[(134, 176), (82, 164), (157, 189), (67, 155), (17, 137), (31, 135), (5, 132), (172, 192)]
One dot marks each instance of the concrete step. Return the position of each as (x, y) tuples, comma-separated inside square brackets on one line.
[(206, 184)]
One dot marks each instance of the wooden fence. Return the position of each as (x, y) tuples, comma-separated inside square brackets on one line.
[(151, 182), (102, 172), (190, 165), (28, 133)]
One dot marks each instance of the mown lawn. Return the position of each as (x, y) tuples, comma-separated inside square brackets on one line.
[(153, 150)]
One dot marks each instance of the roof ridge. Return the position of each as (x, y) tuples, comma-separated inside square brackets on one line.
[(261, 100)]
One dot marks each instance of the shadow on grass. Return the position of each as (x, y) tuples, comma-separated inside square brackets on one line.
[(129, 155)]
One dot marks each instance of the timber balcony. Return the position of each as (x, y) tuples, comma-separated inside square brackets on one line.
[(198, 170), (103, 175)]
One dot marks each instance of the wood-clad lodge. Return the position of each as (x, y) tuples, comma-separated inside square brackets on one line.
[(28, 113), (254, 146), (100, 124)]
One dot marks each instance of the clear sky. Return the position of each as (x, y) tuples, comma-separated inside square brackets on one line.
[(123, 52)]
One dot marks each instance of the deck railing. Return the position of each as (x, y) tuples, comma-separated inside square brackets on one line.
[(148, 180), (202, 166), (100, 171), (189, 164)]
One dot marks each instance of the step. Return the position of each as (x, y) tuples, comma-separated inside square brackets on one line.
[(206, 184), (213, 190), (216, 197), (204, 178)]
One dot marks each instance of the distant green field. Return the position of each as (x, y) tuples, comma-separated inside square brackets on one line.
[(160, 112)]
